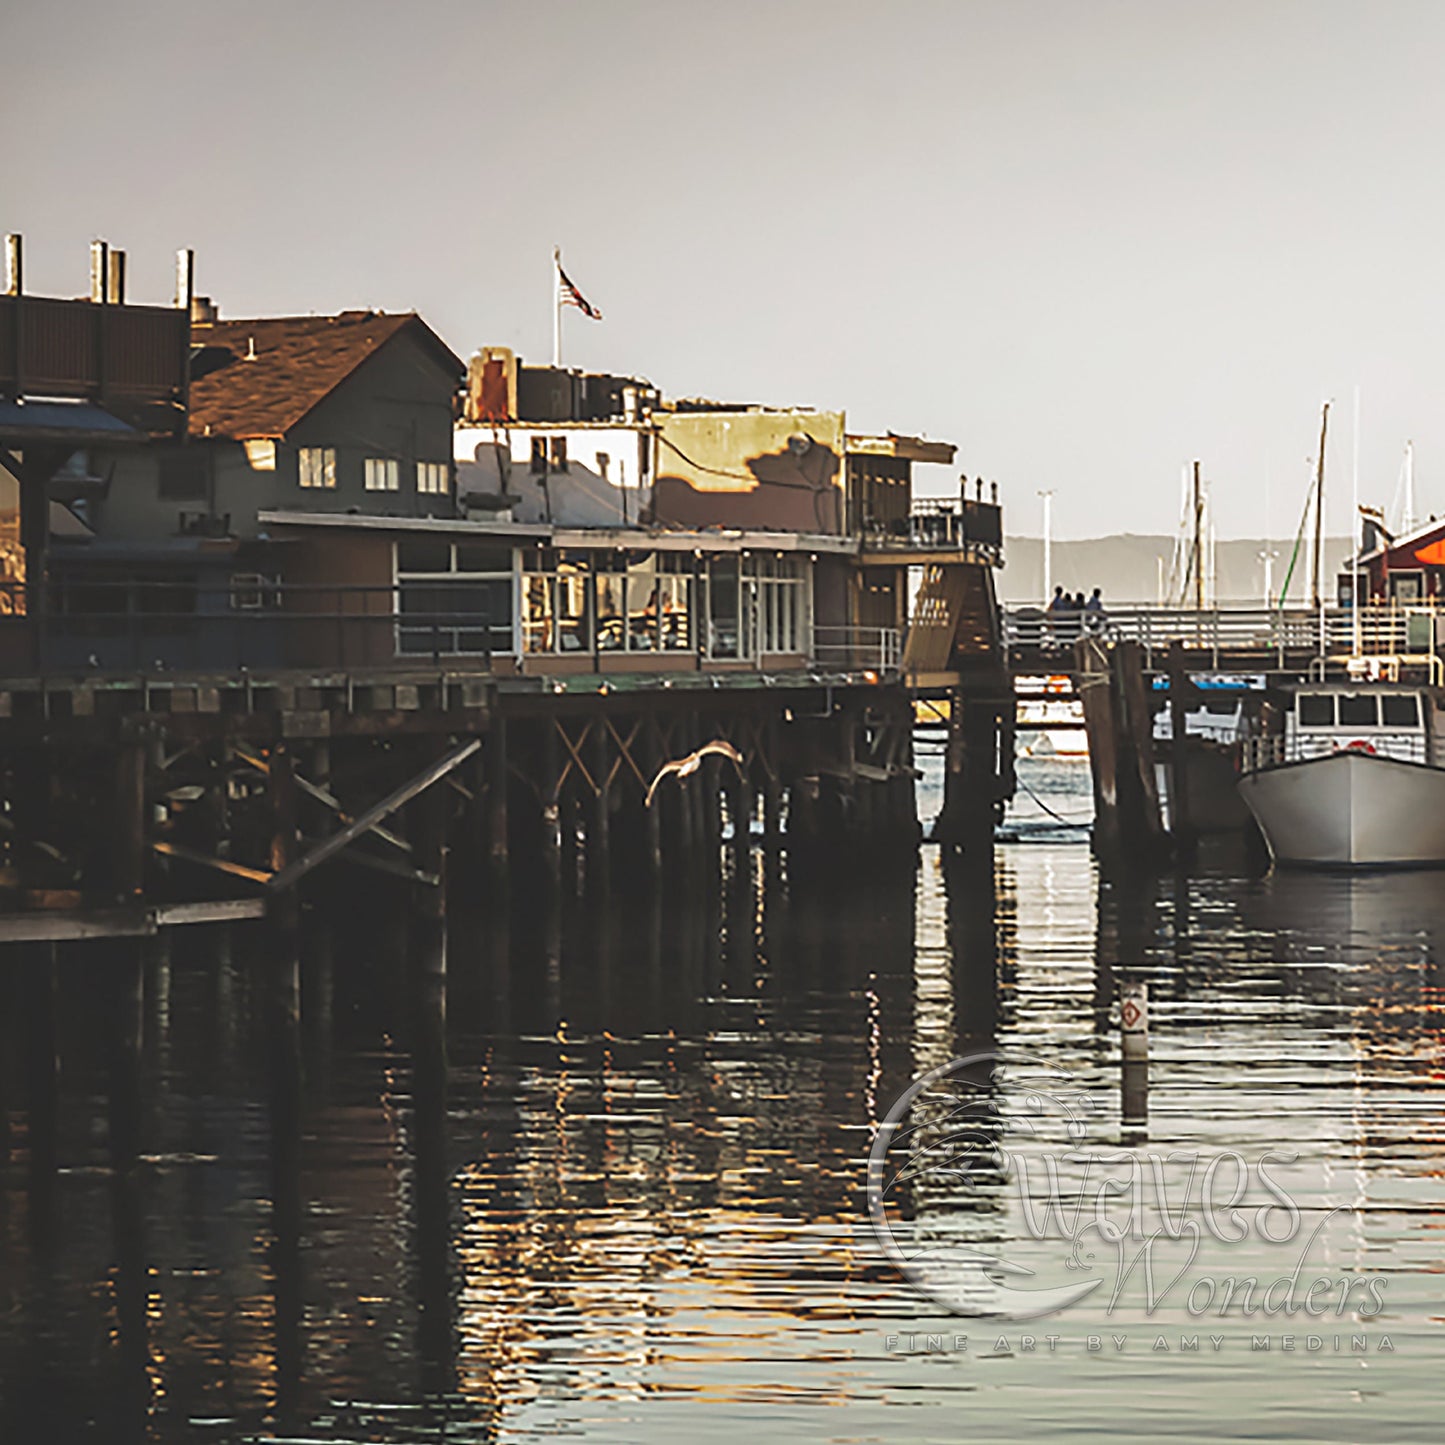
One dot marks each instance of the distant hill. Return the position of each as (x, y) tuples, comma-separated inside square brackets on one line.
[(1128, 568)]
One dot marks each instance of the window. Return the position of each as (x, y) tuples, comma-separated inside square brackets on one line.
[(1357, 710), (254, 592), (603, 463), (781, 600), (431, 478), (1400, 710), (555, 592), (316, 467), (539, 456), (453, 598), (726, 609), (559, 454), (382, 475), (1317, 710)]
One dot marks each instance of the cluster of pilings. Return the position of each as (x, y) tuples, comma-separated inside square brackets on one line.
[(530, 794)]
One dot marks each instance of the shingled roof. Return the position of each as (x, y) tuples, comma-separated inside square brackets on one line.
[(259, 378)]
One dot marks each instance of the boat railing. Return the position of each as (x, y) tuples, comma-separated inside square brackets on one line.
[(1274, 749)]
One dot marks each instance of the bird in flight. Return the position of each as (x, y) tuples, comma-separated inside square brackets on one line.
[(686, 767)]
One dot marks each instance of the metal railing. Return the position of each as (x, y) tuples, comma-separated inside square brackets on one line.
[(936, 524), (1273, 749), (873, 649), (1230, 633)]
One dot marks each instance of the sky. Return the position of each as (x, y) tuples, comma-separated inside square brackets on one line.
[(1088, 241)]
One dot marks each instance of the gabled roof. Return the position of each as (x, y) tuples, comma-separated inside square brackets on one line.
[(1425, 532), (258, 378)]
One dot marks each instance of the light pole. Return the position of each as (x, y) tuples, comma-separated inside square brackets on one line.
[(1048, 498)]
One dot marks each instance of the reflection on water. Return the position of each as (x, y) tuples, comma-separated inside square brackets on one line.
[(616, 1172)]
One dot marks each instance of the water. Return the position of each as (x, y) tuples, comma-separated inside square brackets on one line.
[(633, 1209)]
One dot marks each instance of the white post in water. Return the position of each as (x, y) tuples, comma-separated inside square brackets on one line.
[(1134, 1050), (1048, 546)]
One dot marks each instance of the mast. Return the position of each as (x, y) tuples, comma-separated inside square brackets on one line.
[(1319, 510), (1408, 521), (1196, 551)]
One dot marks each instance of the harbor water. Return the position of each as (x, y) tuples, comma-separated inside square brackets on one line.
[(621, 1194)]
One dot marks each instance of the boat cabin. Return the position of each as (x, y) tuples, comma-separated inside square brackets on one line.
[(1390, 721)]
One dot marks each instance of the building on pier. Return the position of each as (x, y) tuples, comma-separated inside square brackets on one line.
[(274, 564)]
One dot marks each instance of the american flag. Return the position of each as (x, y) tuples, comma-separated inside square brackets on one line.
[(569, 295)]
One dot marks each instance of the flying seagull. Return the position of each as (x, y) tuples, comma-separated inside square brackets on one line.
[(686, 767)]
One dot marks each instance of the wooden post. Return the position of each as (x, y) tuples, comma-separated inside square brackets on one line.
[(549, 793), (1094, 685), (129, 821), (740, 813), (496, 754), (1181, 823), (429, 901), (599, 847), (950, 828), (1134, 1050), (652, 823), (282, 906), (1145, 829)]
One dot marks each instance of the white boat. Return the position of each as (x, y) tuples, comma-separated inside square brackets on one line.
[(1354, 779)]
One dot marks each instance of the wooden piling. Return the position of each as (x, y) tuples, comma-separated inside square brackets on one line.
[(549, 791), (599, 842), (1146, 831), (429, 815), (498, 857), (1181, 824), (1094, 685), (129, 821)]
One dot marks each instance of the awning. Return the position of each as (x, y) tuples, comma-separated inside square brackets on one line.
[(80, 423)]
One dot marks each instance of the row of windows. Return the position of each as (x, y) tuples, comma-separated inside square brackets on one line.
[(458, 597), (1358, 710), (316, 468)]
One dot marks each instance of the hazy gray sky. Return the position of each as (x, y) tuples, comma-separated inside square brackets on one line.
[(1086, 241)]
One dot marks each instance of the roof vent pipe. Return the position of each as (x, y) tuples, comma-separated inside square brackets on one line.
[(99, 266), (115, 279), (185, 280)]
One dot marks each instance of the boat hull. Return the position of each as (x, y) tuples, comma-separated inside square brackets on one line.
[(1350, 810)]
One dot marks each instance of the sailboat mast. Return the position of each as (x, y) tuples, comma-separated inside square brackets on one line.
[(1198, 557), (1319, 510)]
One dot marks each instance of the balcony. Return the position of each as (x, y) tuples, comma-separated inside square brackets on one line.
[(962, 530)]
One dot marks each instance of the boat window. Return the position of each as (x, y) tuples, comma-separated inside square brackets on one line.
[(1401, 710), (1358, 710), (1317, 710)]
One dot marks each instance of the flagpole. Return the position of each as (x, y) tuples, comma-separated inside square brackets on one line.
[(556, 306)]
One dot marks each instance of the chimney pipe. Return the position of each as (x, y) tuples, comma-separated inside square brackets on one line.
[(185, 279), (99, 253), (115, 279), (14, 265)]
